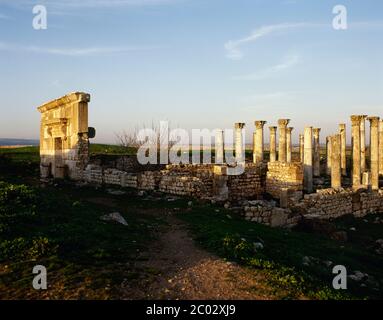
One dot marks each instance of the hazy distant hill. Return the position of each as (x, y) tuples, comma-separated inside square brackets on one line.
[(18, 142)]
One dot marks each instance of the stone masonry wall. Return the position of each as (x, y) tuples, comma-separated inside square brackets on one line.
[(267, 213), (249, 185), (192, 180), (329, 203), (325, 204), (282, 175)]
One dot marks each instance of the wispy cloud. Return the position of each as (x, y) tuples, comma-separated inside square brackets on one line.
[(289, 62), (72, 52), (233, 47)]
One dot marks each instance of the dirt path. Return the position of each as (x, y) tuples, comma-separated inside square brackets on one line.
[(177, 269)]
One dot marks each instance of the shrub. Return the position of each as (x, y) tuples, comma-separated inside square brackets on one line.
[(236, 247), (17, 202), (23, 249)]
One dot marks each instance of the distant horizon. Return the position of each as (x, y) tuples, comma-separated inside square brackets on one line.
[(36, 142)]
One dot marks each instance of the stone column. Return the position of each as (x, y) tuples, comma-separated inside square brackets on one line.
[(238, 146), (342, 131), (381, 147), (374, 151), (282, 123), (258, 142), (288, 144), (308, 159), (363, 143), (356, 172), (336, 171), (219, 147), (301, 146), (273, 144), (329, 153), (316, 157), (220, 178)]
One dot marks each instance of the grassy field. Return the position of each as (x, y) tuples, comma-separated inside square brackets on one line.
[(58, 225), (284, 253)]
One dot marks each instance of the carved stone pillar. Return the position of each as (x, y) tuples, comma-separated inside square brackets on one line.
[(239, 145), (258, 142), (363, 143), (289, 145), (374, 151), (282, 123), (342, 131), (301, 146), (219, 147), (356, 162), (336, 172), (273, 144), (381, 147), (308, 160), (316, 169), (329, 155)]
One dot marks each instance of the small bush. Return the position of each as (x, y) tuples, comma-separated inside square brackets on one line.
[(23, 249), (17, 203), (236, 247)]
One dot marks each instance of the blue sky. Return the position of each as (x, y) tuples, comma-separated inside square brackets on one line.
[(196, 63)]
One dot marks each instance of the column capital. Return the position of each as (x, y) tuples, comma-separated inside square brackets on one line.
[(381, 125), (239, 125), (273, 129), (259, 124), (283, 122), (289, 129), (374, 121), (364, 116), (316, 132), (342, 126), (356, 119)]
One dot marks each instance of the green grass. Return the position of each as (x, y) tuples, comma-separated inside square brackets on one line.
[(111, 149), (59, 226), (232, 238)]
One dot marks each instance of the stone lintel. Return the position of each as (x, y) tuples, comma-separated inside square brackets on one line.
[(67, 99)]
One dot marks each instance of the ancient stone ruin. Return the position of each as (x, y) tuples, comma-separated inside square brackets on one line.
[(64, 136), (274, 189)]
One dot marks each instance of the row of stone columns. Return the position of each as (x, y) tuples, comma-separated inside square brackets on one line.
[(309, 144), (284, 143), (359, 149)]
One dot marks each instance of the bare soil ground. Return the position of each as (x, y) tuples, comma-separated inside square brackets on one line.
[(176, 268)]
